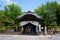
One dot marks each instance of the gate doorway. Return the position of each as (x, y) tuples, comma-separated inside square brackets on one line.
[(29, 29)]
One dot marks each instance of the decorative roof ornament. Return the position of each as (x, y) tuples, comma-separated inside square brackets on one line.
[(29, 12)]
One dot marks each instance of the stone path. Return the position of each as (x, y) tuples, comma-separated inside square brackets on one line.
[(29, 37)]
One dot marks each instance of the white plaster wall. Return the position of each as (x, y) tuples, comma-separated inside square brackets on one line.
[(33, 22)]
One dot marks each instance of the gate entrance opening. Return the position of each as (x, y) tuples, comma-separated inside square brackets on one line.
[(29, 29)]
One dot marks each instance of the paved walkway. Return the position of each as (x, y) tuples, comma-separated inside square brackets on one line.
[(30, 37)]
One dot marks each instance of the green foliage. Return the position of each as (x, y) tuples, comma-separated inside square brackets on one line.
[(12, 11), (8, 16), (3, 28), (1, 14), (48, 12)]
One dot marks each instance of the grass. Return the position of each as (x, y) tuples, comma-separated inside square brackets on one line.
[(58, 29)]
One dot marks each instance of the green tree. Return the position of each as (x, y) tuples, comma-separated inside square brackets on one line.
[(58, 14), (12, 11), (55, 8), (1, 17), (48, 12), (1, 14)]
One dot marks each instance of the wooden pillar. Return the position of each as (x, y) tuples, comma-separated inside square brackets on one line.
[(39, 28), (22, 28), (45, 30)]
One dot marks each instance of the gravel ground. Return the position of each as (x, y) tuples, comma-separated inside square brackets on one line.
[(30, 37)]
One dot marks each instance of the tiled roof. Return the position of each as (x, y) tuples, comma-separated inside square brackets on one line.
[(30, 13)]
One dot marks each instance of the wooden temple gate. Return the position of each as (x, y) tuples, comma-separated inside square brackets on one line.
[(31, 23)]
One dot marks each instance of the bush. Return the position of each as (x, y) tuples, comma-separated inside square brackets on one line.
[(3, 29)]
